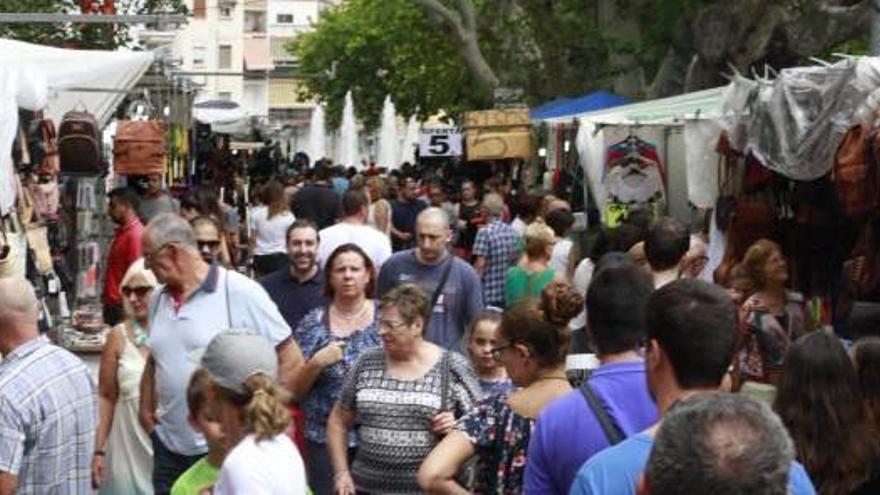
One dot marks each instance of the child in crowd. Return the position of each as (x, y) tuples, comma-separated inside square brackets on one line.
[(482, 338), (249, 403), (204, 473)]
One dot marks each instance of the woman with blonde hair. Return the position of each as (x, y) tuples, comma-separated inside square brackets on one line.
[(533, 272), (379, 215), (250, 406), (123, 457), (770, 319)]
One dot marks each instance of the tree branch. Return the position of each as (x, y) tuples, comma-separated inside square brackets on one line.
[(449, 16), (463, 26), (468, 14)]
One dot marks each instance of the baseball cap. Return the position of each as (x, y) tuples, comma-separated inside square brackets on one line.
[(236, 355)]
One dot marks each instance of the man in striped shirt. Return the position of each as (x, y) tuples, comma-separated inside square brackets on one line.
[(47, 404)]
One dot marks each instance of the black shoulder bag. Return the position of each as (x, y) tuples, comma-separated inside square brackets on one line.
[(612, 431)]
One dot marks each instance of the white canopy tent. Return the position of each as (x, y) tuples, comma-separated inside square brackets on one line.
[(664, 122), (58, 80)]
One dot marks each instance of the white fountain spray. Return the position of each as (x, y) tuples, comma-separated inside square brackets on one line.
[(388, 141), (348, 137), (317, 135)]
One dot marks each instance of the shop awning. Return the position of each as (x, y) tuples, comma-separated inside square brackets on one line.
[(257, 55), (569, 107), (58, 80)]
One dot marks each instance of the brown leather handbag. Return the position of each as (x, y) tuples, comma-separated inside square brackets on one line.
[(139, 147)]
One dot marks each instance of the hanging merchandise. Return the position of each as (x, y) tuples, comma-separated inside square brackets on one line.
[(43, 146), (855, 171), (13, 248), (79, 144), (139, 147), (633, 179)]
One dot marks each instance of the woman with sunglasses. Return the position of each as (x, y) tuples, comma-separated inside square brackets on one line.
[(123, 457), (403, 397), (209, 239), (332, 338), (534, 340)]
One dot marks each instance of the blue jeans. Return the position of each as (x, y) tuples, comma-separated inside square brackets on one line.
[(168, 465)]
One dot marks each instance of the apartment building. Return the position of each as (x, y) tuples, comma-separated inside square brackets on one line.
[(235, 50)]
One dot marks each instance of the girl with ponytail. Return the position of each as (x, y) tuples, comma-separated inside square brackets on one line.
[(533, 343), (250, 406)]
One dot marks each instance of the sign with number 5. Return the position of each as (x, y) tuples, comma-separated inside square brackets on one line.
[(439, 141)]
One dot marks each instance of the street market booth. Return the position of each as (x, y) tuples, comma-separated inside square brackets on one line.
[(54, 104), (792, 159)]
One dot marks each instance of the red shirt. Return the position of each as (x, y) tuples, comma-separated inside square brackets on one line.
[(124, 250)]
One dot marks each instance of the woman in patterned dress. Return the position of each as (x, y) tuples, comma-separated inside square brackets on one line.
[(403, 398), (534, 343), (332, 338)]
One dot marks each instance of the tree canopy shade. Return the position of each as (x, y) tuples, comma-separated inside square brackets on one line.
[(449, 55), (380, 47)]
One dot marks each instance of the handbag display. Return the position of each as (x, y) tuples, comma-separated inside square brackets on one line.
[(79, 144), (139, 147)]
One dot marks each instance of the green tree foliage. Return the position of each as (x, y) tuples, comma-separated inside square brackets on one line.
[(375, 48), (421, 52), (83, 36)]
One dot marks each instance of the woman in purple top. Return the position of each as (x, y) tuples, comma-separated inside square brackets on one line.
[(534, 341)]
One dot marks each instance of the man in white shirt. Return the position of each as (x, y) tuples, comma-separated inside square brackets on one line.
[(353, 228)]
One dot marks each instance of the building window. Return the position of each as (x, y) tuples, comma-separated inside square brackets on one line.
[(200, 52), (284, 18), (224, 95), (199, 9), (225, 12), (224, 60)]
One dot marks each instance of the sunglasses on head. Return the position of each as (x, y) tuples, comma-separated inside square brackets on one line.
[(140, 291)]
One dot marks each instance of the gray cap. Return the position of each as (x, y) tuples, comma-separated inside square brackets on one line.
[(233, 357)]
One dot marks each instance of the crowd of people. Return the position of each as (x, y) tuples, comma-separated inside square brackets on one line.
[(370, 333)]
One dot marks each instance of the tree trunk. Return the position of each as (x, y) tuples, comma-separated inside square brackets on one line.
[(462, 23)]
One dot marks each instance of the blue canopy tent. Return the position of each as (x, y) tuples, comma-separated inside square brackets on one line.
[(562, 107)]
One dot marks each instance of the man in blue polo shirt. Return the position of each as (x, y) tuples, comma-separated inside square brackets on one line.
[(298, 287), (692, 331), (567, 431), (196, 302)]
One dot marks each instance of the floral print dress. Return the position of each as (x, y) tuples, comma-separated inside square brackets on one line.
[(501, 438), (313, 334)]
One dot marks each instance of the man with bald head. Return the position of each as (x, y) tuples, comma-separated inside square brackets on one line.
[(451, 284), (47, 404), (196, 302)]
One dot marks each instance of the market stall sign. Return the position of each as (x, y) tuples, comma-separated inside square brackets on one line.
[(498, 134), (439, 141)]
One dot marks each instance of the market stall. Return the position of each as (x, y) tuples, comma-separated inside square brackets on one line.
[(788, 158), (53, 169)]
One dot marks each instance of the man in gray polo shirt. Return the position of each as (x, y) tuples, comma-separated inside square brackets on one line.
[(461, 297), (196, 302)]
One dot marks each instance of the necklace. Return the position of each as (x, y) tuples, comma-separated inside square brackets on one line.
[(140, 337), (351, 316)]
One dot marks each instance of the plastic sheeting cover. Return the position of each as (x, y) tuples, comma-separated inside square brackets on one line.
[(796, 122)]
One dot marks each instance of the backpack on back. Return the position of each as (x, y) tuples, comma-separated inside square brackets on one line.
[(855, 171), (139, 147), (79, 144)]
